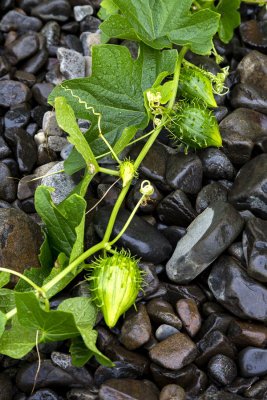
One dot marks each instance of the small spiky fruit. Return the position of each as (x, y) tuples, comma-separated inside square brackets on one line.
[(114, 284), (127, 172)]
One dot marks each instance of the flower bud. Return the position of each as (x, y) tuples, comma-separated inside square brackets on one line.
[(127, 172), (114, 284)]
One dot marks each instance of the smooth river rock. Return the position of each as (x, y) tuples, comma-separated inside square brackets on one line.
[(141, 238), (207, 237), (236, 291)]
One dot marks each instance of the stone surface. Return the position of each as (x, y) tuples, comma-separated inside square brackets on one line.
[(19, 236), (15, 20), (88, 40), (17, 118), (189, 314), (249, 96), (222, 369), (255, 248), (252, 362), (184, 172), (216, 321), (72, 63), (253, 69), (172, 392), (120, 370), (176, 209), (161, 312), (140, 237), (58, 10), (8, 187), (213, 230), (24, 47), (136, 328), (41, 91), (43, 394), (164, 331), (247, 334), (236, 291), (209, 194), (50, 125), (253, 33), (129, 389), (216, 164), (63, 361), (80, 12), (174, 352), (135, 195), (13, 92)]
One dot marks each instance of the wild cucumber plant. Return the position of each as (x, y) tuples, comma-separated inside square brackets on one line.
[(120, 98)]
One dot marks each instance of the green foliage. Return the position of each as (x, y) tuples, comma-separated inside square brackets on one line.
[(4, 278), (230, 18), (160, 23)]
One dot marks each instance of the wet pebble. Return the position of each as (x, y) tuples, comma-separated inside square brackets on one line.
[(4, 149), (172, 391), (80, 12), (136, 328), (120, 370), (17, 118), (41, 91), (222, 369), (216, 164), (24, 47), (253, 33), (56, 143), (252, 362), (15, 20), (190, 316), (127, 388), (63, 361), (162, 312), (210, 194), (244, 334), (51, 32), (72, 63), (43, 394), (253, 69), (88, 40), (13, 92), (8, 187), (164, 331), (58, 10), (245, 95)]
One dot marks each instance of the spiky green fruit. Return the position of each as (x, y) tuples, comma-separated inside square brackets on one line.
[(127, 172), (114, 284), (195, 126)]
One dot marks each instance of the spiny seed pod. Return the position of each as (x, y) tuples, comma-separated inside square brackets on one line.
[(114, 284), (194, 84), (127, 172), (195, 127)]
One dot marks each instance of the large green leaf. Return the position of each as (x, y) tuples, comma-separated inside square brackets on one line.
[(4, 278), (7, 300), (230, 18), (161, 23), (53, 325), (84, 313), (115, 90), (80, 354), (2, 323)]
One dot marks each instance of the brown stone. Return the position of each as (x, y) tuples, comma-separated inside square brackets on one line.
[(136, 328), (20, 241), (172, 392), (161, 312), (189, 314), (129, 389), (175, 352), (252, 69), (245, 334)]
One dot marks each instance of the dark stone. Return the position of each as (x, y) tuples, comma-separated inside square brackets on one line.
[(236, 291), (73, 43), (25, 77), (175, 352), (222, 369), (190, 378), (4, 149), (81, 394), (32, 129), (41, 91), (16, 118), (34, 64), (38, 112), (189, 314), (236, 251), (8, 187), (247, 334), (164, 331), (184, 172), (255, 248), (221, 395), (80, 374), (177, 292), (19, 235), (220, 113), (13, 92), (245, 95), (253, 33), (117, 352), (4, 66), (150, 278), (211, 307), (17, 21), (216, 164), (161, 312), (51, 32), (120, 370), (136, 328), (212, 344), (12, 165), (24, 47), (89, 24), (253, 69), (239, 384), (108, 194), (58, 10), (127, 388), (258, 390), (176, 209), (43, 394), (210, 194), (252, 362), (172, 233), (24, 148), (135, 195), (6, 387), (216, 321), (71, 27), (213, 230), (5, 204), (140, 237)]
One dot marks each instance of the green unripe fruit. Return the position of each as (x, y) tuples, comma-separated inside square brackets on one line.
[(114, 284), (127, 172)]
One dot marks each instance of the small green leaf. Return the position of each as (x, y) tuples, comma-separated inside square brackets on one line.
[(67, 121), (195, 85), (2, 323), (108, 7), (4, 278), (160, 23), (17, 341), (7, 300), (230, 18), (80, 354), (53, 325)]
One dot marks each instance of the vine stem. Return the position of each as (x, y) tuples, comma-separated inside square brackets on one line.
[(104, 243)]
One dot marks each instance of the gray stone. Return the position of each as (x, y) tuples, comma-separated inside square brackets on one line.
[(13, 92), (236, 291), (18, 21), (65, 152), (80, 12), (72, 63), (164, 331), (56, 143), (50, 125), (252, 362), (207, 237), (58, 10), (88, 40), (51, 32), (222, 369), (252, 69)]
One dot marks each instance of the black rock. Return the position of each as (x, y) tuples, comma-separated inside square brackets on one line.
[(58, 10), (8, 187), (63, 361), (81, 394), (184, 172), (253, 33), (24, 47), (222, 369), (220, 113), (176, 209), (258, 390), (207, 237), (220, 395), (41, 91), (136, 328), (236, 251), (16, 118), (140, 238), (89, 24), (151, 279), (4, 66), (252, 362), (127, 389), (255, 248), (239, 384), (216, 321), (210, 194), (245, 95), (38, 112), (15, 20), (135, 195), (121, 369), (251, 194), (36, 62), (6, 387), (236, 291), (13, 92), (216, 164), (43, 394), (4, 149), (162, 312)]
